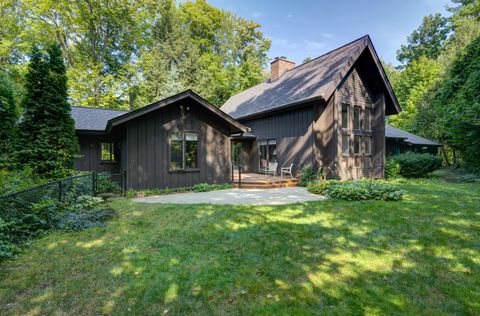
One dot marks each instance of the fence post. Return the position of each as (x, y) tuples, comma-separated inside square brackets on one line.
[(94, 183), (124, 182), (60, 188)]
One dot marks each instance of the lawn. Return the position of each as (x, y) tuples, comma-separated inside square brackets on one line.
[(418, 256)]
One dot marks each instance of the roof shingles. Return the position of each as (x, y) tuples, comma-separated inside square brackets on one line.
[(307, 81), (393, 132), (93, 119)]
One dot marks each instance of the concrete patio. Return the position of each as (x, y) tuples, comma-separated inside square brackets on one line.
[(237, 196)]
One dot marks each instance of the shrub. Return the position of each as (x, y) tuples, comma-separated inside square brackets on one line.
[(414, 165), (12, 181), (72, 221), (106, 185), (392, 169), (468, 178), (88, 202), (21, 221), (307, 175), (205, 187), (357, 190)]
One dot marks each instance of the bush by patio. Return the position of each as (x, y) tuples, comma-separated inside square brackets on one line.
[(357, 190)]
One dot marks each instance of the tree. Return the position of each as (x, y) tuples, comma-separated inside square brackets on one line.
[(456, 105), (8, 117), (202, 48), (411, 88), (427, 40), (47, 141), (306, 60)]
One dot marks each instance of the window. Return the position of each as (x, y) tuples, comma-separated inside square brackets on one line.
[(356, 144), (108, 152), (368, 145), (183, 151), (356, 118), (368, 125), (267, 152), (344, 115), (345, 144)]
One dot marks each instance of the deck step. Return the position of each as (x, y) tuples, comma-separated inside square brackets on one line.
[(267, 185)]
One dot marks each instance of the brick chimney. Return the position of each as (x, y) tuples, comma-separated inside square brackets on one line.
[(278, 66)]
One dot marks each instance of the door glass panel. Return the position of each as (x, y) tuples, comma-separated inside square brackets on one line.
[(272, 151)]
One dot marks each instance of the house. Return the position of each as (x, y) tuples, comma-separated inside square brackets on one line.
[(327, 113), (175, 142), (399, 141)]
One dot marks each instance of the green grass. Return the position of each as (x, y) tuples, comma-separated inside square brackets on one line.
[(418, 256)]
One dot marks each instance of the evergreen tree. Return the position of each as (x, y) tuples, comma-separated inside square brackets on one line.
[(8, 117), (47, 141)]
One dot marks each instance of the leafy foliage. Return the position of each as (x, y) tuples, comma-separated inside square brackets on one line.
[(457, 105), (8, 117), (197, 46), (16, 180), (307, 174), (106, 185), (28, 221), (415, 165), (125, 53), (427, 40), (46, 140), (205, 187), (392, 168), (357, 190), (411, 88)]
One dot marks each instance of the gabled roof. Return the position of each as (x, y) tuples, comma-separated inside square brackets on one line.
[(393, 132), (93, 119), (237, 126), (314, 80)]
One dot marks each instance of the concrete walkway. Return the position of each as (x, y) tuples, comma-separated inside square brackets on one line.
[(237, 196)]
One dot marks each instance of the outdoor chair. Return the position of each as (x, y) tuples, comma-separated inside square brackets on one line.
[(272, 168), (286, 171)]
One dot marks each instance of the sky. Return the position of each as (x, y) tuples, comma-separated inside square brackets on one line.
[(308, 28)]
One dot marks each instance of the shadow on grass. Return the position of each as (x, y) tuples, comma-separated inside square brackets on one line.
[(417, 256)]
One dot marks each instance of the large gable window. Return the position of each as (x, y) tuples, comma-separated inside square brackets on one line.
[(368, 123), (183, 151), (356, 118), (344, 115)]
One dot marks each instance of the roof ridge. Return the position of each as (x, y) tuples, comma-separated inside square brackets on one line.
[(92, 108), (329, 52)]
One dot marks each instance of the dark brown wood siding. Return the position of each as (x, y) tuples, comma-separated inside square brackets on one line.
[(325, 136), (148, 149), (354, 91), (89, 158), (293, 132)]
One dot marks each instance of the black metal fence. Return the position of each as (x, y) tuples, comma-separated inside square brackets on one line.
[(56, 190), (68, 189)]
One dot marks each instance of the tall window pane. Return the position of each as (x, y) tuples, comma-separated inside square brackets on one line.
[(191, 150), (368, 125), (344, 115), (176, 151), (368, 145), (356, 117), (107, 152), (345, 144), (356, 141)]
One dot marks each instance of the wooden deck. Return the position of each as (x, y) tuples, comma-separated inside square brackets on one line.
[(261, 181)]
